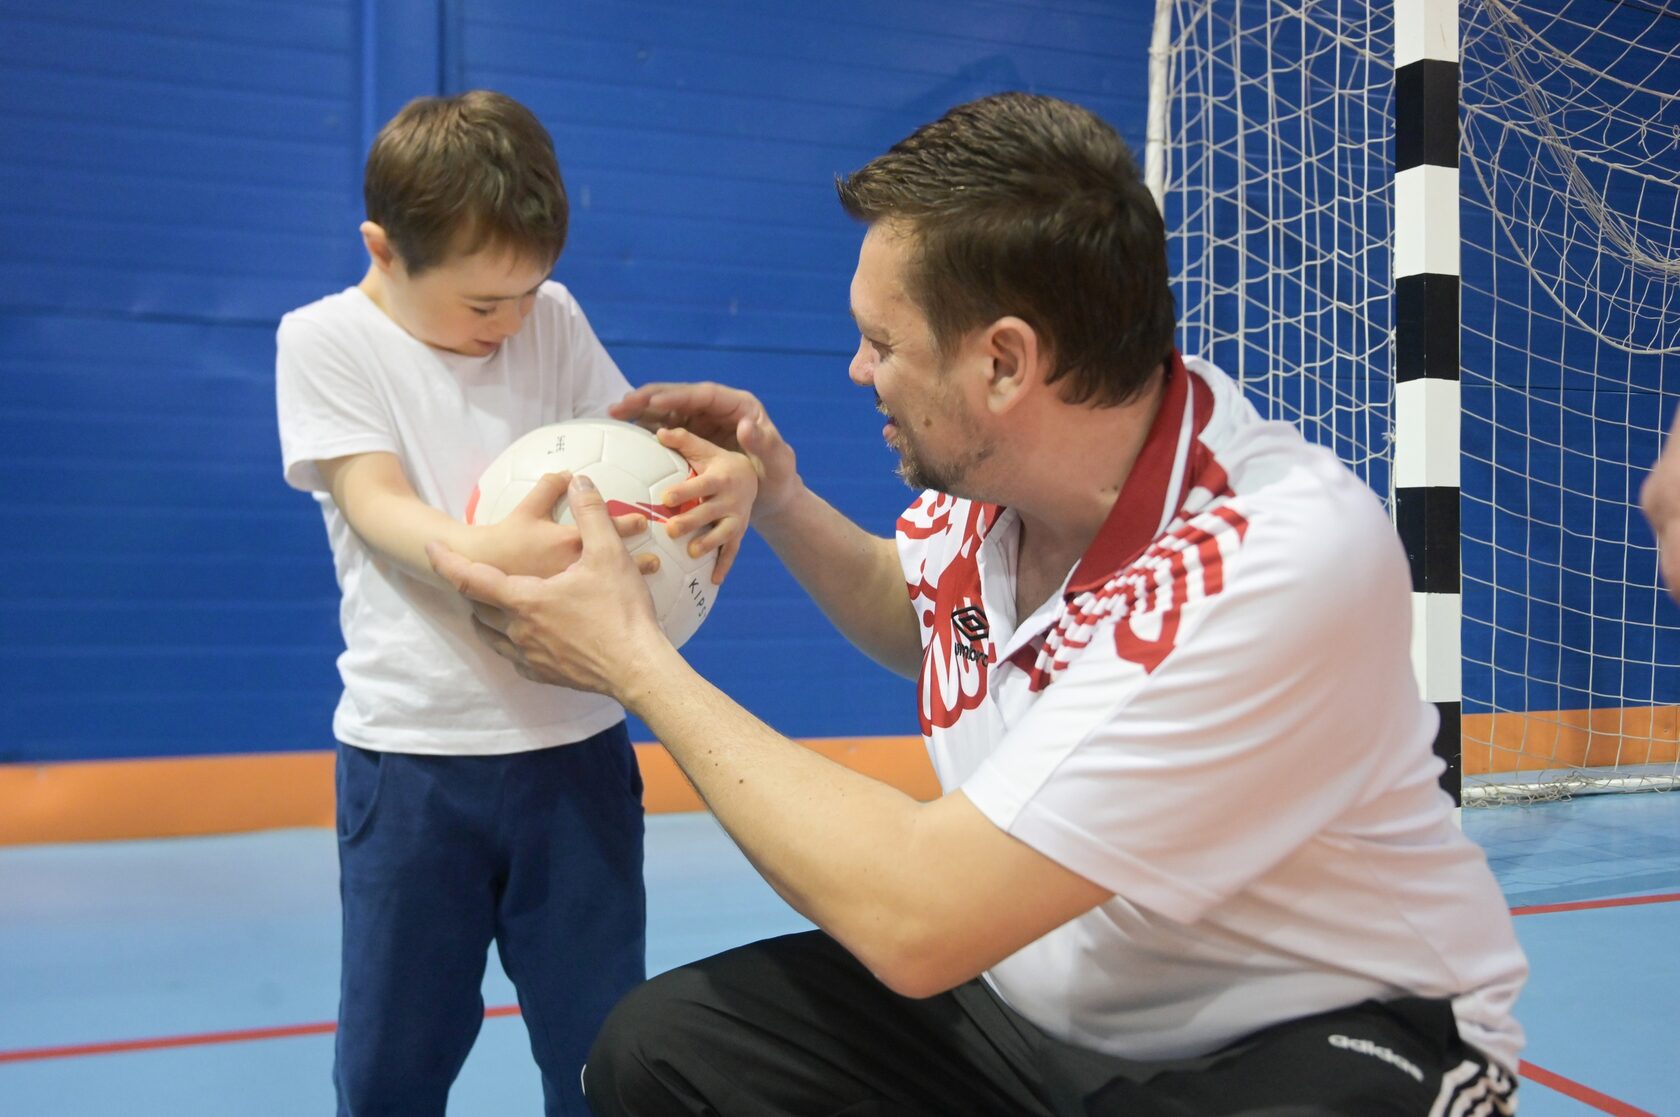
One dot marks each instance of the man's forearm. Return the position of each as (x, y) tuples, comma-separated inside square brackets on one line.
[(853, 576), (926, 895), (832, 842)]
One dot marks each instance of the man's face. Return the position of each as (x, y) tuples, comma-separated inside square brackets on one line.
[(930, 424), (467, 304)]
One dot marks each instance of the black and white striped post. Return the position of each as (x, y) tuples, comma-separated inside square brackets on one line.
[(1426, 408)]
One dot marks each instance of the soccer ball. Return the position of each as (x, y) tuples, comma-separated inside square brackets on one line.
[(633, 471)]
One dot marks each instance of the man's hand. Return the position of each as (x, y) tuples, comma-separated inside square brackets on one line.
[(726, 417), (853, 576), (588, 627), (725, 484), (528, 541)]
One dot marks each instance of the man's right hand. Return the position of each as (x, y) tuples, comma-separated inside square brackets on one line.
[(726, 417), (528, 541)]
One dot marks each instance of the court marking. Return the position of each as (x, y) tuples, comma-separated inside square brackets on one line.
[(1568, 1087), (1537, 1074), (194, 1039), (1586, 1095), (1540, 1075), (1588, 905)]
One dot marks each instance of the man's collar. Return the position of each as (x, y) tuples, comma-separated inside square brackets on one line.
[(1155, 488)]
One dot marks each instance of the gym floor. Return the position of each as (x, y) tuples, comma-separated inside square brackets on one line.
[(198, 977)]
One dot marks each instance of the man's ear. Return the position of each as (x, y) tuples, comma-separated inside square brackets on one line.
[(380, 251), (1013, 349)]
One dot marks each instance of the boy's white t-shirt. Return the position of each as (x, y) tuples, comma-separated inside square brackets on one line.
[(349, 380)]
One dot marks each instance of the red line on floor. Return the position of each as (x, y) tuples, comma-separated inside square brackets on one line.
[(1587, 905), (1604, 1103), (201, 1039)]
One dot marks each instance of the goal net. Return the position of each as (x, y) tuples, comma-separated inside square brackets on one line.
[(1271, 149), (1570, 328), (1270, 137)]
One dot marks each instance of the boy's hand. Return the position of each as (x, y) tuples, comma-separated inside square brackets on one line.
[(725, 483), (731, 419), (592, 627), (529, 542)]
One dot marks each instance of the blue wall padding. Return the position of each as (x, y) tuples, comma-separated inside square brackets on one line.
[(178, 175)]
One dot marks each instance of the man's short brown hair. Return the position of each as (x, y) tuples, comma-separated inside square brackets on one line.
[(454, 175), (1030, 206)]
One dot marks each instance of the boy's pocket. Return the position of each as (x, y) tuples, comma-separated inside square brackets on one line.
[(357, 779)]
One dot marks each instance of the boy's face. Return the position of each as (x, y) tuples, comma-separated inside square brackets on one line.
[(467, 304)]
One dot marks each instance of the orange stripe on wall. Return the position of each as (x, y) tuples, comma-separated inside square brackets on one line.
[(179, 796), (1570, 738), (174, 797), (899, 761)]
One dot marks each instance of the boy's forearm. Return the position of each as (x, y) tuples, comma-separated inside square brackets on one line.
[(853, 576), (399, 528), (387, 515)]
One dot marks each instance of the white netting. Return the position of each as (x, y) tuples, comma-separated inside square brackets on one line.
[(1271, 148), (1570, 184), (1272, 138)]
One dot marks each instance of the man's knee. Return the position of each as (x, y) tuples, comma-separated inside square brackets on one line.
[(638, 1062)]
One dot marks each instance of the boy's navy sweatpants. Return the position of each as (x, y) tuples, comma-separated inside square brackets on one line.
[(439, 856)]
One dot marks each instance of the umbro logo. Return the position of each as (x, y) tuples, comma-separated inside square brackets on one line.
[(970, 620)]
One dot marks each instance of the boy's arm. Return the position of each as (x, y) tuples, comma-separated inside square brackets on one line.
[(381, 506), (725, 483), (383, 509), (854, 577)]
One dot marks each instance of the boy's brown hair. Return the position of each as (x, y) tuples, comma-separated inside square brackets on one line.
[(450, 176), (1027, 205)]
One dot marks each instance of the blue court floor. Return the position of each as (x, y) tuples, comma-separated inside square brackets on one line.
[(198, 977)]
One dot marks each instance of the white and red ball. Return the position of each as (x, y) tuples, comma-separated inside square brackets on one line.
[(633, 471)]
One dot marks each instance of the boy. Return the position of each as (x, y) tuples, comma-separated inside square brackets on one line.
[(460, 821)]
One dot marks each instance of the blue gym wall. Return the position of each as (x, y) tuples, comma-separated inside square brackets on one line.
[(179, 173)]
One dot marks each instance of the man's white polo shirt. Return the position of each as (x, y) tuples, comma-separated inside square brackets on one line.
[(1216, 720)]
